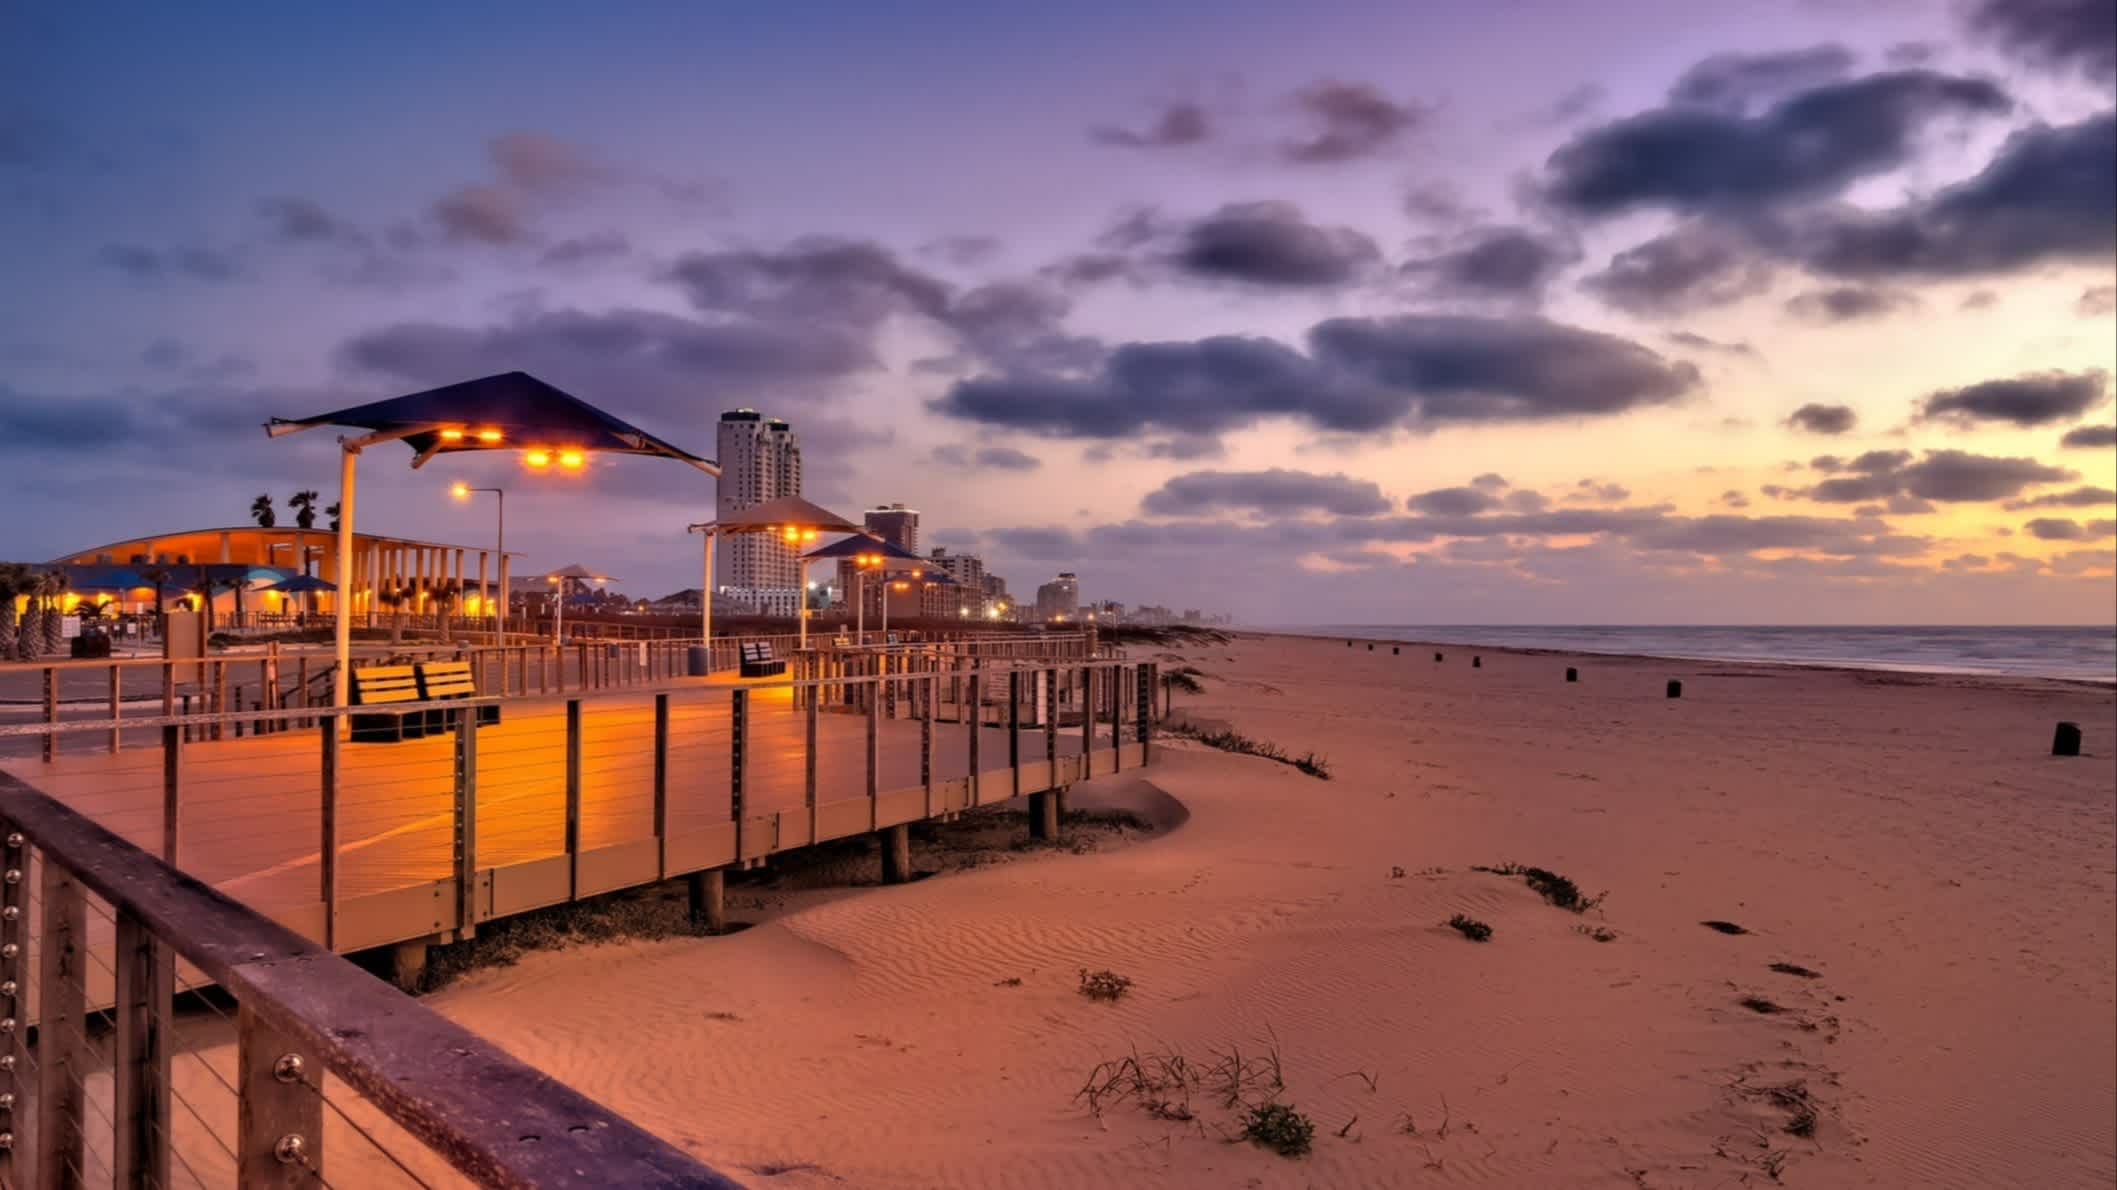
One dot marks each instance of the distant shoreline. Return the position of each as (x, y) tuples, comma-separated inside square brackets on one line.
[(1409, 636)]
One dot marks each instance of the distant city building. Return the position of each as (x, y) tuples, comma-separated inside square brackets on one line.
[(967, 597), (895, 524), (1060, 598), (760, 460)]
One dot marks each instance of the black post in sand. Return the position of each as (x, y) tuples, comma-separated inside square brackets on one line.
[(2066, 741), (1477, 663), (1436, 656), (1394, 650), (1370, 648), (1572, 674), (1675, 688)]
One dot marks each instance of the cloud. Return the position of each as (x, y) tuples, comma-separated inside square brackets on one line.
[(535, 161), (1736, 83), (482, 213), (1693, 267), (1699, 342), (2089, 438), (2039, 399), (1178, 124), (294, 218), (998, 458), (1491, 481), (1359, 375), (1592, 491), (1812, 144), (1947, 476), (2045, 197), (1350, 120), (2045, 528), (1495, 262), (1436, 202), (1734, 498), (1847, 303), (1813, 418), (2080, 497), (2069, 34), (1019, 324), (580, 251), (840, 281), (1468, 501), (1272, 244), (1276, 492), (148, 264), (2096, 301), (963, 251)]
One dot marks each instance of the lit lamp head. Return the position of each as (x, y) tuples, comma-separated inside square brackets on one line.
[(459, 490)]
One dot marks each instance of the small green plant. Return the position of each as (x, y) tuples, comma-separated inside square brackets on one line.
[(1280, 1128), (1184, 678), (1471, 928), (1104, 985), (1233, 741), (1599, 933)]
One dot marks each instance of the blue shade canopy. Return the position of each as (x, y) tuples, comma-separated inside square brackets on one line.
[(301, 583), (510, 411), (894, 557), (117, 579)]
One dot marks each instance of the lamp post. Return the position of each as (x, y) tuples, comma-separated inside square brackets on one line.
[(462, 491)]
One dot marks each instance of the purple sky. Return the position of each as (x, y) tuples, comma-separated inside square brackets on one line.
[(1448, 312)]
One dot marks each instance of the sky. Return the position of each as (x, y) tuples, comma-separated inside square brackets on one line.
[(1447, 312)]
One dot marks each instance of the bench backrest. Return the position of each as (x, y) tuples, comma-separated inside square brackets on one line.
[(756, 651), (447, 679), (373, 684)]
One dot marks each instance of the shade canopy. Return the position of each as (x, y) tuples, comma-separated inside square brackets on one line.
[(510, 411), (779, 513), (578, 571), (301, 584), (116, 579), (894, 557)]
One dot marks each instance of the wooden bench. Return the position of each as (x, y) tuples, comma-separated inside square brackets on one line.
[(758, 661), (446, 681), (375, 688)]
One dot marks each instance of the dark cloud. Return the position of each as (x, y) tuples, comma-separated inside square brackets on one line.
[(481, 213), (2037, 400), (172, 356), (1595, 491), (1737, 83), (2080, 497), (1693, 267), (1734, 499), (1491, 481), (1812, 144), (1350, 121), (2089, 438), (1948, 476), (579, 251), (1468, 501), (1699, 342), (1093, 268), (1823, 419), (2045, 197), (1359, 375), (2096, 301), (1527, 501), (294, 218), (846, 282), (1906, 504), (1495, 262), (1019, 324), (1272, 243), (963, 251), (1436, 202), (2069, 34), (197, 263), (1178, 124), (1276, 492), (1847, 303), (2046, 528), (1983, 299), (999, 458)]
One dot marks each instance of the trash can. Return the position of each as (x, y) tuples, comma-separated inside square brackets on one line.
[(696, 663)]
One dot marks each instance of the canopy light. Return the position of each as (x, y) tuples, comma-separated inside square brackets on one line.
[(451, 435), (537, 458), (488, 437), (571, 459)]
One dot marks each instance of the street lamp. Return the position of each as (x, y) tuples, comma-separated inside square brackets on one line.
[(463, 491)]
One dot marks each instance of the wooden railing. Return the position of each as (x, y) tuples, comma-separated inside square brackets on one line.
[(320, 1048)]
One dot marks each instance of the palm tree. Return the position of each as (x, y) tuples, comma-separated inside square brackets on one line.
[(304, 505), (332, 512), (261, 511), (445, 594), (14, 581), (393, 597), (159, 577)]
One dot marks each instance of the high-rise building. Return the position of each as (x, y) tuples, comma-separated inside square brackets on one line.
[(895, 524), (968, 570), (1059, 598), (760, 460)]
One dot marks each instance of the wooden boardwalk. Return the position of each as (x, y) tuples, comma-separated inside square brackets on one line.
[(251, 817)]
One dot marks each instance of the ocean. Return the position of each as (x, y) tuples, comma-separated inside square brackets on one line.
[(2083, 654)]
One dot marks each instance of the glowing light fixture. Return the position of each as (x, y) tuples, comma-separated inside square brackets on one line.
[(571, 459), (459, 490), (451, 435), (488, 436), (537, 458)]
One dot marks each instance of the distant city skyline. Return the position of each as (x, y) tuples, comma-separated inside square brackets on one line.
[(1341, 313)]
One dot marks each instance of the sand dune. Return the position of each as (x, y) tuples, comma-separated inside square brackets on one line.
[(1905, 839)]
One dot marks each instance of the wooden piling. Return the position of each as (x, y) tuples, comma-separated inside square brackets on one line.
[(1572, 674), (1675, 688), (896, 853), (709, 903), (2066, 741)]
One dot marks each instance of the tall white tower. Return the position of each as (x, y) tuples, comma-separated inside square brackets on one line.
[(760, 460)]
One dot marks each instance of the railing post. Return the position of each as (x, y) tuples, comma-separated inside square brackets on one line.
[(327, 805), (1117, 716), (146, 981), (977, 727), (279, 1112), (51, 713), (926, 741), (738, 714), (1051, 722), (808, 755), (1087, 721), (116, 705), (1149, 673), (1014, 729), (14, 964), (661, 786), (172, 791), (873, 751), (573, 798), (62, 1050), (466, 837)]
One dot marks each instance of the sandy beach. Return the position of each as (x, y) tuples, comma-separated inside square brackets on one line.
[(1907, 841)]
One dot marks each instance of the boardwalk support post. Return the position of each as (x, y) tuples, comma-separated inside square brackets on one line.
[(709, 903), (896, 853), (1044, 815)]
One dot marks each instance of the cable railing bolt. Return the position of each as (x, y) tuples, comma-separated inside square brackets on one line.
[(288, 1069), (289, 1149)]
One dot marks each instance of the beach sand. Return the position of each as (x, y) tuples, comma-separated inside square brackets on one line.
[(1908, 839)]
